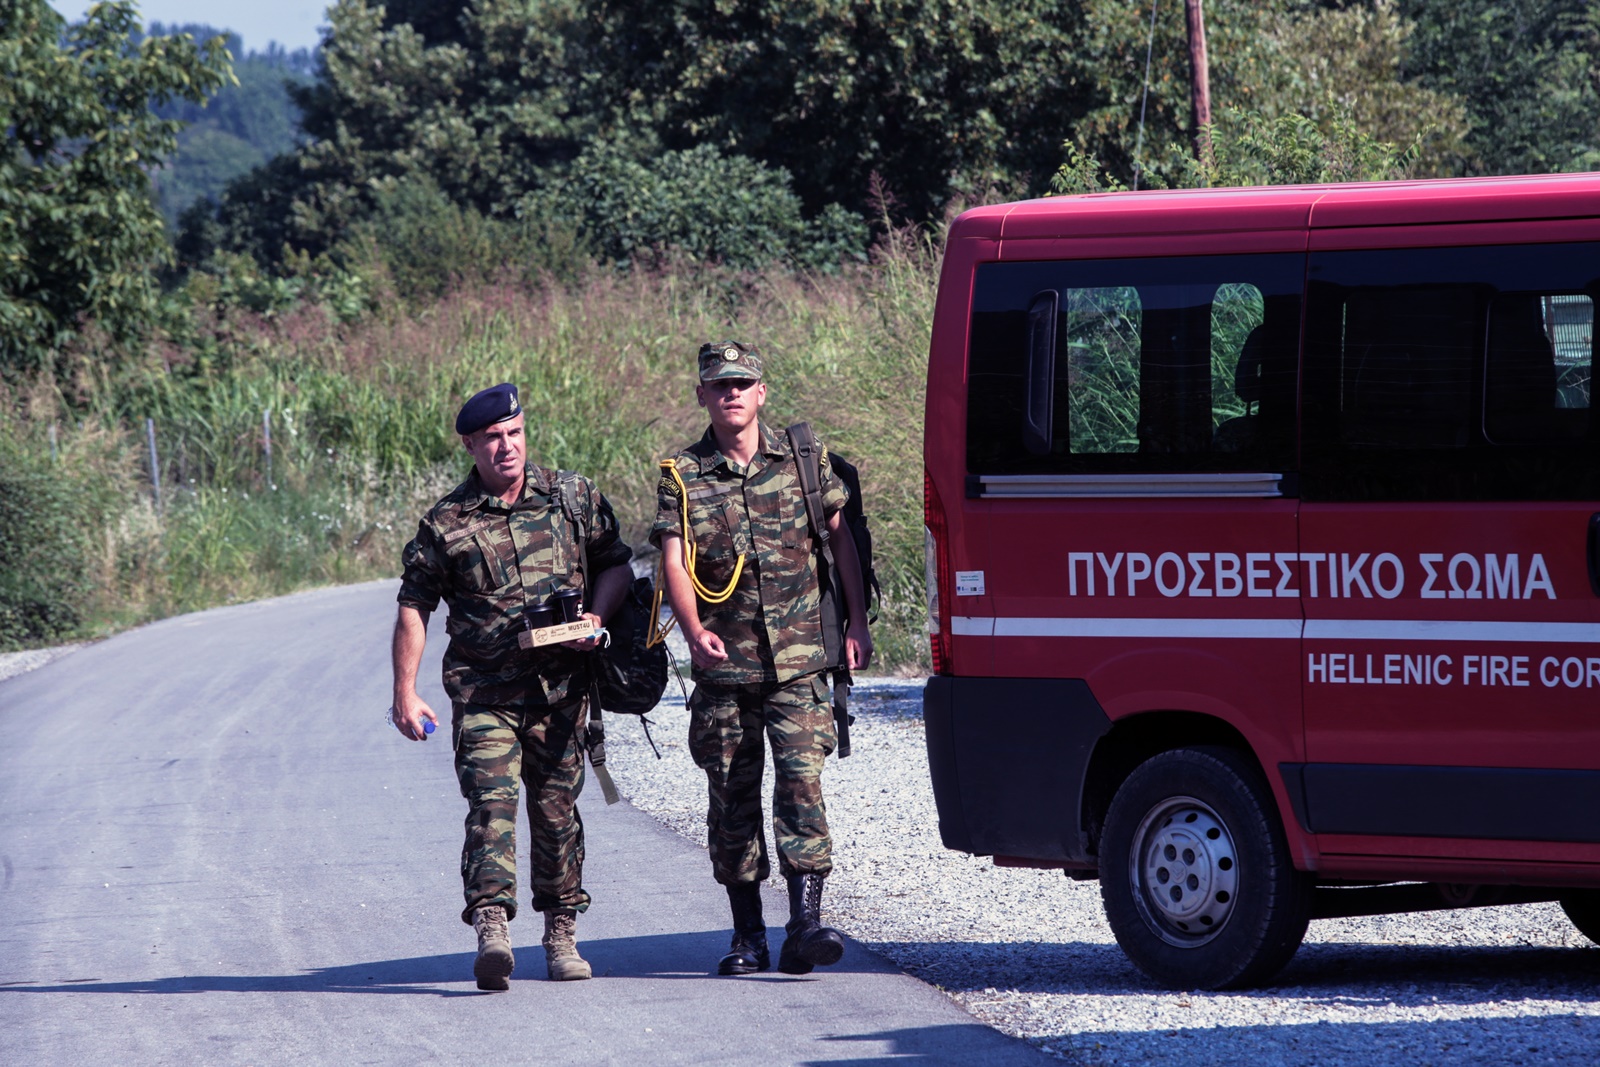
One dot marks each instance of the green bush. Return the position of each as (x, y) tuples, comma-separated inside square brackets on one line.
[(428, 243), (703, 203), (47, 590)]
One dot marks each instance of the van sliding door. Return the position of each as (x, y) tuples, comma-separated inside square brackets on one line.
[(1451, 483)]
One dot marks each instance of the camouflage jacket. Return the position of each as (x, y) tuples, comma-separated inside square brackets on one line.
[(772, 624), (490, 563)]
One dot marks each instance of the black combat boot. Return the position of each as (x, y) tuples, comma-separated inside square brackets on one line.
[(748, 952), (809, 944)]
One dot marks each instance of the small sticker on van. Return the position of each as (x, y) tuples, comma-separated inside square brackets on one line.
[(969, 583)]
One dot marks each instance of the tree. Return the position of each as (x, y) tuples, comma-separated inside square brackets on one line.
[(1528, 72), (79, 230), (1252, 149), (1269, 59), (475, 107)]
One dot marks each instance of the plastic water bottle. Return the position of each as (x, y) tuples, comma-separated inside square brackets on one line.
[(427, 724)]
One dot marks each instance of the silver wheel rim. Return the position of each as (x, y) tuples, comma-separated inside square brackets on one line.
[(1185, 871)]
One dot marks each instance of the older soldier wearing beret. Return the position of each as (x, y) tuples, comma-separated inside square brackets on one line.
[(495, 549), (751, 610)]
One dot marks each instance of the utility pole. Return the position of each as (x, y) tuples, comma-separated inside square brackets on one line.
[(1200, 83)]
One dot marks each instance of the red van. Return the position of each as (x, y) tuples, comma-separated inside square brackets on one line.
[(1264, 555)]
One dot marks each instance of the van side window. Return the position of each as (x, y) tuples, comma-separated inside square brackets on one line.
[(1451, 374), (1238, 342), (1102, 380), (1540, 348), (1159, 365)]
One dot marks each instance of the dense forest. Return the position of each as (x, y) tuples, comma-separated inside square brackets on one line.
[(240, 294)]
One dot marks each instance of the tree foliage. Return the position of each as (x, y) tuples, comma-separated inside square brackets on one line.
[(481, 104), (79, 231), (936, 97), (1294, 150), (701, 202), (588, 112), (1270, 59), (472, 107), (1527, 72)]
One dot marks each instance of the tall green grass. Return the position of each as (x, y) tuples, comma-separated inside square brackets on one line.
[(359, 419)]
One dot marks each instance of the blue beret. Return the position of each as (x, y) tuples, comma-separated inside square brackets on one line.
[(495, 404)]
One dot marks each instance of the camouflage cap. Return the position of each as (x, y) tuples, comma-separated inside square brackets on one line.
[(729, 359), (494, 404)]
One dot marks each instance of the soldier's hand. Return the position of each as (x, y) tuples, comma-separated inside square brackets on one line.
[(705, 649), (584, 644), (409, 715), (858, 648)]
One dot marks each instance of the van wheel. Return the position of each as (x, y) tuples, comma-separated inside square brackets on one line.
[(1195, 872), (1583, 908)]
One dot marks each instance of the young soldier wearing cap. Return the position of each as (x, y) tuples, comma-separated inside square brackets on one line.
[(497, 546), (751, 612)]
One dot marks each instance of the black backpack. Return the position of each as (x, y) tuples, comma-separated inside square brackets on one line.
[(835, 618), (630, 673)]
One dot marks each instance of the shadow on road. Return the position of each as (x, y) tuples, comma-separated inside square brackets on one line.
[(671, 956), (927, 1044)]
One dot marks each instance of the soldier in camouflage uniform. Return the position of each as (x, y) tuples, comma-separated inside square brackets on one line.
[(496, 546), (759, 663)]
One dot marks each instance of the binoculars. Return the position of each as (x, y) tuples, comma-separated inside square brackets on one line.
[(563, 606)]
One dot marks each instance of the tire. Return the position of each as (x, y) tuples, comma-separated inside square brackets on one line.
[(1195, 872), (1583, 908)]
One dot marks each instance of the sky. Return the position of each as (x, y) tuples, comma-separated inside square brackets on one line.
[(292, 23)]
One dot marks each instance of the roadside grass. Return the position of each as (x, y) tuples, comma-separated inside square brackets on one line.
[(358, 418)]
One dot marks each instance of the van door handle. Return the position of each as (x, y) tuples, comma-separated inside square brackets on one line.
[(1594, 553)]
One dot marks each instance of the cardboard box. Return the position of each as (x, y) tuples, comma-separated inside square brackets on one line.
[(554, 635)]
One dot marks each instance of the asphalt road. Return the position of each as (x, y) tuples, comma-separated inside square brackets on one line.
[(213, 850)]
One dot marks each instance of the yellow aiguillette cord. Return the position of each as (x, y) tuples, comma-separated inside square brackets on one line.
[(658, 633)]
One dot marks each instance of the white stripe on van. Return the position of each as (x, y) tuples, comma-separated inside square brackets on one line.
[(1444, 630), (1314, 630), (982, 627)]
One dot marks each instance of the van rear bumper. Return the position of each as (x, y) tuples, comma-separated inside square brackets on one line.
[(1007, 757)]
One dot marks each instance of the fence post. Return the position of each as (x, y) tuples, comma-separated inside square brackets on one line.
[(266, 442), (52, 442), (155, 461)]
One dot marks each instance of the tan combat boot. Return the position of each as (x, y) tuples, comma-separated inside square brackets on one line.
[(561, 946), (494, 964)]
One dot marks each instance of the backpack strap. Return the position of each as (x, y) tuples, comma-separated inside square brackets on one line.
[(808, 466)]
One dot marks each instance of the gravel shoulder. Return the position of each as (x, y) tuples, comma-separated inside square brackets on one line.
[(15, 663), (1029, 952)]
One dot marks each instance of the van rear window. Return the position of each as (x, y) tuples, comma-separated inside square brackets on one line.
[(1134, 365), (1451, 374)]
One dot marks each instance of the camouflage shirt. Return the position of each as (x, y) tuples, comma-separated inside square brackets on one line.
[(771, 626), (489, 563)]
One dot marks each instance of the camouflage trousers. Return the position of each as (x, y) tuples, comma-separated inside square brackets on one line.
[(726, 727), (540, 747)]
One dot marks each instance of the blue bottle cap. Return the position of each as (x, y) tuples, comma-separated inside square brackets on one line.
[(427, 726)]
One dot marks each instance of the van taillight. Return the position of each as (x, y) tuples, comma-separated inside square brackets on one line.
[(937, 573)]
